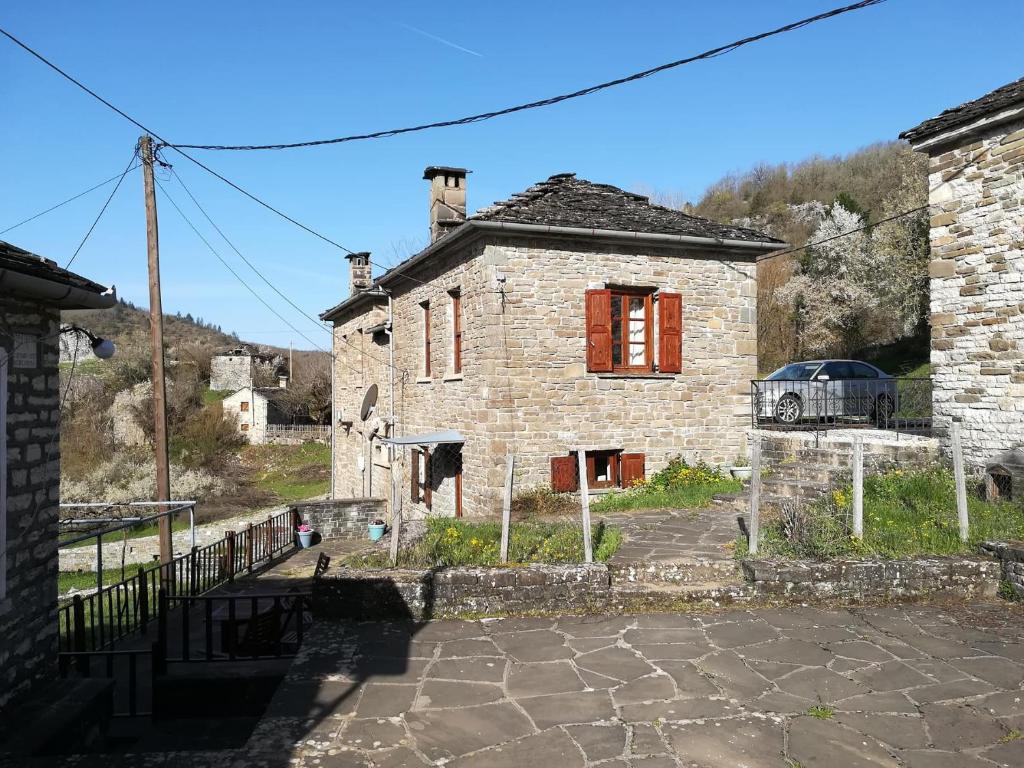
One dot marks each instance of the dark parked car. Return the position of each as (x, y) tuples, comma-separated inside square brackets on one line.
[(826, 390)]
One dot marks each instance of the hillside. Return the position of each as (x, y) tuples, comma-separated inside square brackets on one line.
[(128, 327)]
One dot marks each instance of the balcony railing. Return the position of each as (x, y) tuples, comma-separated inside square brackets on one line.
[(898, 404)]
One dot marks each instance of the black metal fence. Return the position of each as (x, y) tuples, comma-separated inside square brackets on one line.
[(94, 621), (898, 404)]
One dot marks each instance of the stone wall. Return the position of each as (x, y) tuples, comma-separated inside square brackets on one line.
[(1011, 557), (410, 594), (977, 289), (28, 619), (230, 372), (524, 387), (870, 579), (342, 518)]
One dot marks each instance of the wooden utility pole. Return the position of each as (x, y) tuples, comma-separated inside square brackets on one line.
[(156, 338)]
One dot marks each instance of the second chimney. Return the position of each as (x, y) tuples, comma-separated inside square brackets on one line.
[(447, 198), (360, 272)]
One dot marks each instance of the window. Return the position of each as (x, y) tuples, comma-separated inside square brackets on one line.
[(839, 369), (620, 331), (245, 427), (605, 469), (243, 406), (862, 371), (3, 473), (456, 332), (426, 338)]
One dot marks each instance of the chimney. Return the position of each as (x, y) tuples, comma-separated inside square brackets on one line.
[(360, 272), (447, 198)]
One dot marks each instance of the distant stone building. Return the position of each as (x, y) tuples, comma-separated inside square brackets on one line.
[(976, 183), (573, 316), (241, 367), (33, 291), (253, 410)]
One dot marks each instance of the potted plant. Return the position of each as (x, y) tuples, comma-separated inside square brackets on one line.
[(741, 470), (305, 531), (377, 528)]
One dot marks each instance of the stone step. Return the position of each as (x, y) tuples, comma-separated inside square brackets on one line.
[(648, 597), (793, 489), (683, 571)]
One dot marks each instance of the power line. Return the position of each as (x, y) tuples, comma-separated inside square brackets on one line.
[(115, 177), (164, 142), (714, 52), (131, 164)]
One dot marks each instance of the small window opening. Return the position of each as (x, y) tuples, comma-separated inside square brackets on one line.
[(999, 485)]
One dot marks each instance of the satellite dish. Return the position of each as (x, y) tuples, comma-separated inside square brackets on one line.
[(369, 400)]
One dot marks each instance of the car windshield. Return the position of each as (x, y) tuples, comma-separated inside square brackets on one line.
[(795, 372)]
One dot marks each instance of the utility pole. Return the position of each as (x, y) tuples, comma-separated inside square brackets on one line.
[(156, 338)]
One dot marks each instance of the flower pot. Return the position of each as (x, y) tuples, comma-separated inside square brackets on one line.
[(305, 539), (377, 531), (741, 473)]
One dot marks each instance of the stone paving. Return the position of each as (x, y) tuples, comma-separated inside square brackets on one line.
[(916, 686)]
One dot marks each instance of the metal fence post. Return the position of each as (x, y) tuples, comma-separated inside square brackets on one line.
[(858, 487), (193, 571), (248, 547), (506, 507), (396, 510), (143, 600), (754, 533), (230, 538), (961, 481), (78, 633), (588, 548)]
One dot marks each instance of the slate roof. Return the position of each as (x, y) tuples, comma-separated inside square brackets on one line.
[(564, 200), (19, 260), (1000, 98)]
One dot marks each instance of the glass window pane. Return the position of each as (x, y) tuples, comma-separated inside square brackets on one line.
[(616, 330)]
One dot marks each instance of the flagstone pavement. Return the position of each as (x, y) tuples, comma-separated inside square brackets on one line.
[(919, 686)]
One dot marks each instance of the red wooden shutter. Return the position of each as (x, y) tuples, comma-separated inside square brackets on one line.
[(414, 476), (563, 474), (631, 466), (428, 495), (599, 330), (670, 332)]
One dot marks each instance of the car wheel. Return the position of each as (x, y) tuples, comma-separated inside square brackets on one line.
[(883, 410), (788, 409)]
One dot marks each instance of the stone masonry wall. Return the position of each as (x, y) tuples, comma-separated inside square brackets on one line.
[(977, 290), (230, 372), (342, 518), (524, 387), (28, 618), (419, 595), (1011, 557)]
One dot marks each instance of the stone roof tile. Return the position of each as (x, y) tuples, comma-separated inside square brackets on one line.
[(1000, 98)]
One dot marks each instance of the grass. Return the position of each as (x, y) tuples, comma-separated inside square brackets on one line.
[(906, 358), (1011, 736), (678, 486), (449, 542), (139, 531), (68, 580), (821, 712), (906, 514), (290, 472), (211, 396)]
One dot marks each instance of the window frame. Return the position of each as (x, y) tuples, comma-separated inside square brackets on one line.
[(243, 406), (623, 295), (456, 297), (425, 307)]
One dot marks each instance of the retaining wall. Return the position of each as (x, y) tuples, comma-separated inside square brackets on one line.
[(424, 594), (1011, 557), (342, 518), (866, 579)]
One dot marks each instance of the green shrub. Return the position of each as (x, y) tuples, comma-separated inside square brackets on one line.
[(679, 486)]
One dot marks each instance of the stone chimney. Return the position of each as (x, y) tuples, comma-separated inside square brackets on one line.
[(447, 198), (360, 272)]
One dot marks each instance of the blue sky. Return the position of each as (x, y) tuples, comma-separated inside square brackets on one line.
[(261, 72)]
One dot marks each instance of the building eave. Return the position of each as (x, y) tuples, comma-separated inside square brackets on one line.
[(934, 142)]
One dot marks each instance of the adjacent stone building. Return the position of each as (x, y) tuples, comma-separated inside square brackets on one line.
[(574, 315), (976, 183), (33, 291)]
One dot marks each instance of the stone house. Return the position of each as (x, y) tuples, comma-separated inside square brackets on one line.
[(574, 315), (253, 410), (33, 291), (976, 194), (242, 366)]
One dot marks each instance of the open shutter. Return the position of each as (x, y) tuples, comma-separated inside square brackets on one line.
[(563, 474), (428, 495), (670, 333), (599, 330), (414, 476), (631, 466)]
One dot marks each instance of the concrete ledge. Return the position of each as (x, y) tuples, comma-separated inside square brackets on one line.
[(870, 579), (422, 594)]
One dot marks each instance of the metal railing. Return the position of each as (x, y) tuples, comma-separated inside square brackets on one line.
[(130, 688), (900, 404), (92, 622)]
